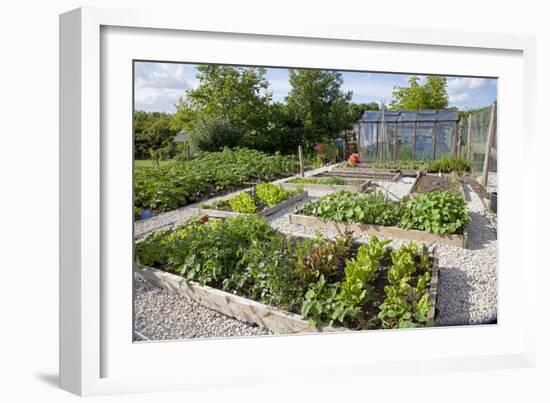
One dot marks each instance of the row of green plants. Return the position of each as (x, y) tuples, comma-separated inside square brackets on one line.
[(335, 282), (438, 212), (444, 164), (182, 182), (333, 180), (262, 196)]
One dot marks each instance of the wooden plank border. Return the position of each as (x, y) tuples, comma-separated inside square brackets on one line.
[(264, 213), (434, 281), (243, 309), (458, 240), (247, 310), (317, 186)]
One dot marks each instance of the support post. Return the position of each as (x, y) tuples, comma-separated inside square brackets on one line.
[(414, 142), (301, 158), (395, 143), (490, 135), (434, 139), (469, 141)]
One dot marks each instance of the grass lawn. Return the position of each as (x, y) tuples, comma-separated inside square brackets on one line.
[(149, 163)]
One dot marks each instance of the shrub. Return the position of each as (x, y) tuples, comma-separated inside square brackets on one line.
[(438, 212), (214, 133), (450, 164)]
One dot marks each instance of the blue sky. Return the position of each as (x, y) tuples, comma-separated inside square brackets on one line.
[(158, 86)]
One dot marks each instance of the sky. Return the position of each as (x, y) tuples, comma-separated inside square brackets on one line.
[(159, 86)]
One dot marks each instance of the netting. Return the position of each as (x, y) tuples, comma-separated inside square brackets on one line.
[(473, 147)]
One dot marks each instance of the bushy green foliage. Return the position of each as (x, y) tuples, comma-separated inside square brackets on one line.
[(213, 133), (333, 180), (353, 207), (438, 212), (450, 164), (407, 294), (430, 95), (177, 184), (243, 203)]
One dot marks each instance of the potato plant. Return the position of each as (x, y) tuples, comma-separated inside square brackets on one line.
[(182, 182)]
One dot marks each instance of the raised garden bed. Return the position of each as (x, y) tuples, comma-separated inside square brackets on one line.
[(263, 200), (267, 211), (458, 240), (432, 182), (247, 310), (232, 305), (244, 268), (365, 173), (323, 182), (437, 216)]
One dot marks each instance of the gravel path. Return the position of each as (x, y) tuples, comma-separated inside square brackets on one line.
[(162, 315), (467, 292)]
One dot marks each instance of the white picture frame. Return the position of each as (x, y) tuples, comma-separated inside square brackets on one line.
[(91, 361)]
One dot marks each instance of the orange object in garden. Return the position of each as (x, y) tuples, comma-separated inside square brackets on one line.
[(353, 159)]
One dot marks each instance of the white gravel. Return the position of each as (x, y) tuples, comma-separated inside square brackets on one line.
[(162, 315), (467, 292)]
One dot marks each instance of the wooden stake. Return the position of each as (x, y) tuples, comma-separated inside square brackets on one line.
[(469, 140), (301, 158), (490, 135)]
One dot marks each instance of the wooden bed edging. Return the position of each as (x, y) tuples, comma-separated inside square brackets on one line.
[(317, 186), (264, 213), (434, 281), (232, 305), (458, 240)]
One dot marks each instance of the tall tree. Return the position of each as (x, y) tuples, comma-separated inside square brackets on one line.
[(318, 102), (431, 95), (357, 110), (238, 95)]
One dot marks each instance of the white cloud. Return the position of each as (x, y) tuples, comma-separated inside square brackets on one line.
[(158, 86)]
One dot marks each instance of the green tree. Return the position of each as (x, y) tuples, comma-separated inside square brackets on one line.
[(356, 110), (431, 95), (237, 94), (152, 131), (318, 102), (213, 133)]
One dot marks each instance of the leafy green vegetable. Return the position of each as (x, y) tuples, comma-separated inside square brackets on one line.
[(438, 212), (353, 207), (406, 304), (272, 194), (243, 203)]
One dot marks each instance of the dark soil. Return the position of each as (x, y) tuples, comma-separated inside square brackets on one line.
[(431, 183)]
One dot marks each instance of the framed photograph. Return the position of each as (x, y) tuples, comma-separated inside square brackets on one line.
[(246, 197)]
